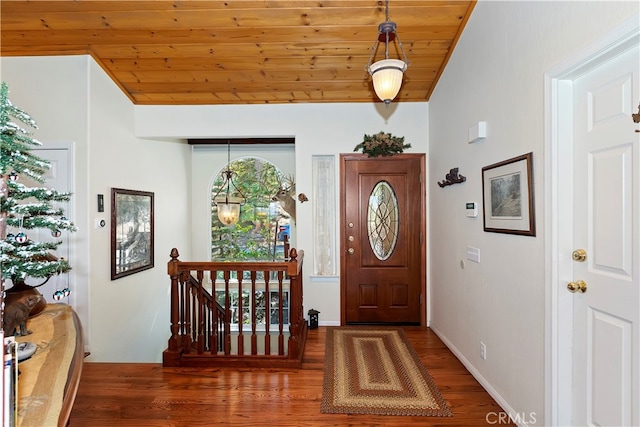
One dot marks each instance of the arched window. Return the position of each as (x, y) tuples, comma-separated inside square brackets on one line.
[(258, 235), (263, 224)]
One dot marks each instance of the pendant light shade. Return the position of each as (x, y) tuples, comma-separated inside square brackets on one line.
[(387, 78), (227, 200), (228, 208), (387, 74)]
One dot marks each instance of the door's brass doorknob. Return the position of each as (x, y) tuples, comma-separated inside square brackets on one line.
[(351, 251), (579, 255), (577, 286)]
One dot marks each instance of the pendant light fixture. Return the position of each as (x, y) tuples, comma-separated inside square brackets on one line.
[(228, 200), (387, 73)]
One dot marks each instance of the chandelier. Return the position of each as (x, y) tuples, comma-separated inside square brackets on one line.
[(387, 73), (228, 200)]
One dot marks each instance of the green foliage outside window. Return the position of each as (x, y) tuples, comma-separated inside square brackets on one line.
[(255, 235)]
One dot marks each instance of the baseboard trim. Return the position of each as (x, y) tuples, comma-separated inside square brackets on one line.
[(517, 418), (329, 323)]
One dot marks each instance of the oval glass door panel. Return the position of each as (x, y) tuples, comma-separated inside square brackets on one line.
[(382, 220)]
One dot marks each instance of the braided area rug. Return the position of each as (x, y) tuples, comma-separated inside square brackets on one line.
[(376, 371)]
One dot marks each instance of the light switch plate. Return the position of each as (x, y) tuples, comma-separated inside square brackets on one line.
[(473, 254)]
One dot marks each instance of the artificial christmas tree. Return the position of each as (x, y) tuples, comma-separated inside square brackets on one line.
[(24, 208)]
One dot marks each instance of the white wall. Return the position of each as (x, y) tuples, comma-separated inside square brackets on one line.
[(74, 101), (319, 129), (496, 75), (133, 311)]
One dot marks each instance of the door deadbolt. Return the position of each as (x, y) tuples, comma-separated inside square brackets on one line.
[(577, 286), (579, 255)]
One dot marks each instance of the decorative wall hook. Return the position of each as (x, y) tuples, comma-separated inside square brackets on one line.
[(452, 178)]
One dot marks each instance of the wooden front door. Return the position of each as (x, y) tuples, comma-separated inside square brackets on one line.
[(383, 274)]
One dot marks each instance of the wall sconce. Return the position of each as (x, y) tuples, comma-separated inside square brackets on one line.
[(228, 200), (387, 73)]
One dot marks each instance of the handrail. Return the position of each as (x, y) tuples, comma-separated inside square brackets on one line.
[(201, 326)]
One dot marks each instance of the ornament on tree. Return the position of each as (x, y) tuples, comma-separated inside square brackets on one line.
[(13, 176), (21, 238), (58, 295), (56, 233)]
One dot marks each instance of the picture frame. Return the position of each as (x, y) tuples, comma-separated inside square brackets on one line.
[(131, 232), (508, 196)]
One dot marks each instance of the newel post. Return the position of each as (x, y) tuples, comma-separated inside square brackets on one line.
[(172, 270), (297, 320)]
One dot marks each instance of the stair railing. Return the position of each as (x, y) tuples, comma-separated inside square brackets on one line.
[(201, 320)]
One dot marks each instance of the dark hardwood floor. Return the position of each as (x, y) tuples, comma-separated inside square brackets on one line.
[(112, 394)]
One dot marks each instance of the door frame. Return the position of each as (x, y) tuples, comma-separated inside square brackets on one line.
[(423, 231), (558, 119)]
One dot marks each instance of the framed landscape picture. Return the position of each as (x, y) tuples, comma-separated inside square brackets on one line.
[(131, 232), (507, 196)]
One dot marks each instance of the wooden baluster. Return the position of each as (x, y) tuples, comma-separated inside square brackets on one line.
[(227, 309), (192, 322), (183, 320), (207, 326), (200, 313), (213, 340), (267, 313), (254, 338), (240, 314), (188, 292), (280, 314)]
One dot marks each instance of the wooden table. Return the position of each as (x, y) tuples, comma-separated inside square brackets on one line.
[(49, 379)]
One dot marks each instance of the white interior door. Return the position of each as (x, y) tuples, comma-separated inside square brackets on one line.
[(58, 178), (606, 225)]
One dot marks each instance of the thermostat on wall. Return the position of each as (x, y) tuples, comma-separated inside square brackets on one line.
[(472, 209)]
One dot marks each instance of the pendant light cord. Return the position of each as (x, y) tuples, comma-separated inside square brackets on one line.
[(228, 173)]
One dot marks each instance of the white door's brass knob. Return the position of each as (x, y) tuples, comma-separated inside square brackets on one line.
[(577, 286), (579, 255)]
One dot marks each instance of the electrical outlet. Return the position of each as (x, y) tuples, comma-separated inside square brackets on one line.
[(483, 351)]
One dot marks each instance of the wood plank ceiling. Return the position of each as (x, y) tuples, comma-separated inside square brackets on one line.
[(239, 52)]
